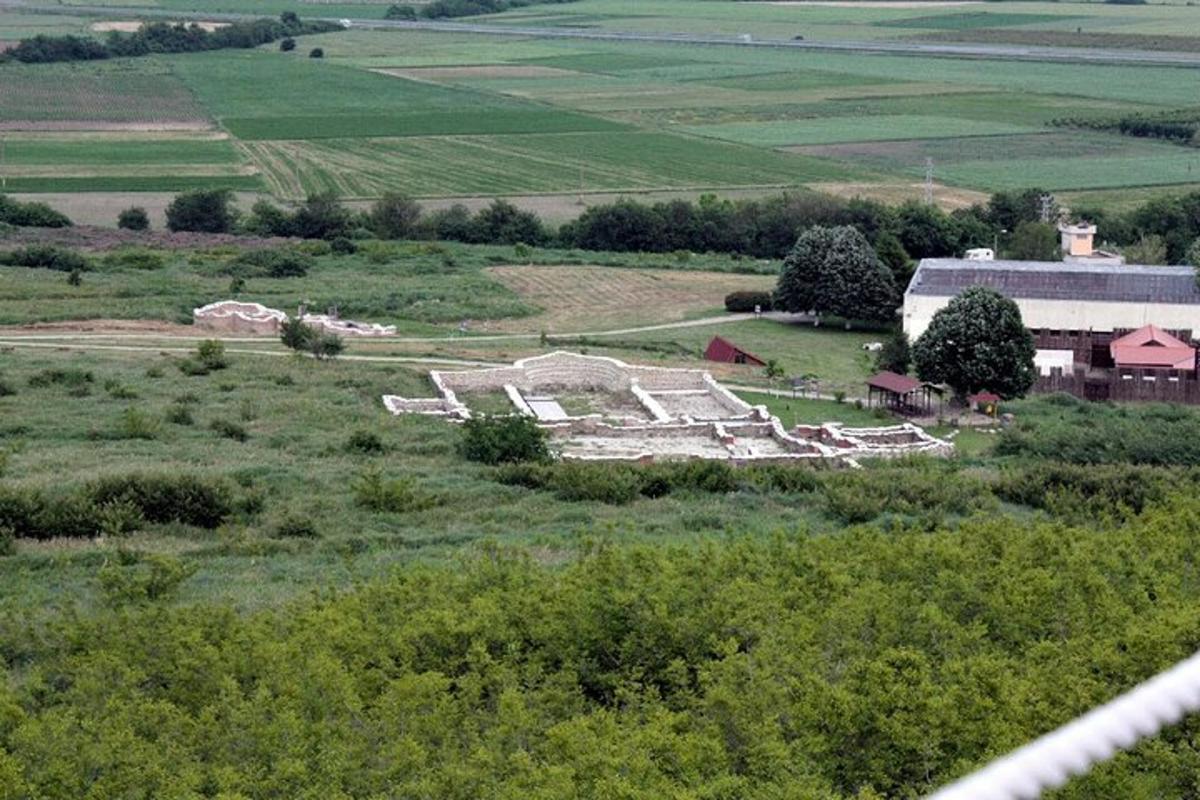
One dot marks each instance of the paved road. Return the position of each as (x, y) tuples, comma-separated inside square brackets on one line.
[(1004, 52)]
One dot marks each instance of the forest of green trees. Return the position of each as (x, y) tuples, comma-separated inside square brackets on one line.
[(876, 663)]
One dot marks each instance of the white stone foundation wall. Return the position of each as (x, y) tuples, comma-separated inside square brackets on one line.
[(232, 316), (742, 432), (346, 327)]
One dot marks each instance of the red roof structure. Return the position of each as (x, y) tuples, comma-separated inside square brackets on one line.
[(894, 383), (720, 349), (1152, 348), (900, 393)]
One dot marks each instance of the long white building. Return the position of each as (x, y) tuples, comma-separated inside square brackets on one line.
[(1062, 296)]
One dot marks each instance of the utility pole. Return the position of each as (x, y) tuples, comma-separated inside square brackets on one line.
[(3, 172), (1046, 202), (928, 181)]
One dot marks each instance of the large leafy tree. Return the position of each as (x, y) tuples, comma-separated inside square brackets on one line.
[(835, 271), (977, 342)]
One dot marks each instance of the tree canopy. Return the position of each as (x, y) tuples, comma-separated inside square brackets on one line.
[(835, 271), (977, 342)]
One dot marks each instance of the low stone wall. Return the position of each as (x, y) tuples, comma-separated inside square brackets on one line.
[(346, 327), (231, 316)]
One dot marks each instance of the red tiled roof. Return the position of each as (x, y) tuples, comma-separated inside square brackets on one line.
[(1151, 346), (891, 382), (983, 397), (721, 349)]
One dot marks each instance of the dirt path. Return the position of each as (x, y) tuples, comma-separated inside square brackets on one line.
[(122, 329)]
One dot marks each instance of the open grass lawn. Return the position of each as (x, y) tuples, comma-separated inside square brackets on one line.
[(804, 411)]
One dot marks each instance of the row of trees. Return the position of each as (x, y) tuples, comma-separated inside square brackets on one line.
[(1159, 231), (445, 9), (763, 228), (164, 37)]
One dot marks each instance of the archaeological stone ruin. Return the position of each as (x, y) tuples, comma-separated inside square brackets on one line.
[(232, 316), (597, 408)]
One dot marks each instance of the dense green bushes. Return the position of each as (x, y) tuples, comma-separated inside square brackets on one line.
[(46, 256), (35, 215), (856, 666), (1065, 429), (503, 439), (108, 504), (745, 302)]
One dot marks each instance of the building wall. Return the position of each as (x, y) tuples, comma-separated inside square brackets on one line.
[(1069, 315)]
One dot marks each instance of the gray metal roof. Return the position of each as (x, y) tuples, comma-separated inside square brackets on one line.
[(1048, 280)]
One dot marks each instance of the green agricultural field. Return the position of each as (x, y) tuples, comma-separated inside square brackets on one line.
[(447, 115), (93, 95), (314, 99), (851, 129), (526, 164)]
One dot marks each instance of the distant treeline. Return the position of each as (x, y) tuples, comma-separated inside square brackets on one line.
[(445, 9), (1180, 125), (164, 37), (758, 228)]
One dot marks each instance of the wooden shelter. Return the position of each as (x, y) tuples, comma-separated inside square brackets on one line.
[(721, 349), (900, 394)]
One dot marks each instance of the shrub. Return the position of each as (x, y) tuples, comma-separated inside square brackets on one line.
[(211, 353), (287, 45), (271, 262), (6, 388), (134, 258), (343, 246), (229, 429), (30, 215), (180, 415), (75, 278), (394, 216), (8, 542), (134, 218), (202, 210), (612, 483), (364, 442), (398, 495), (118, 518), (294, 334), (134, 578), (743, 302), (136, 424), (77, 381), (295, 527), (316, 52), (45, 256), (499, 440), (325, 345), (188, 499)]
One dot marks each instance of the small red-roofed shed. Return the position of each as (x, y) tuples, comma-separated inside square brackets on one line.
[(723, 350)]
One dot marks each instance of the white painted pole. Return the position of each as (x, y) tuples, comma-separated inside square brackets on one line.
[(1076, 747)]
